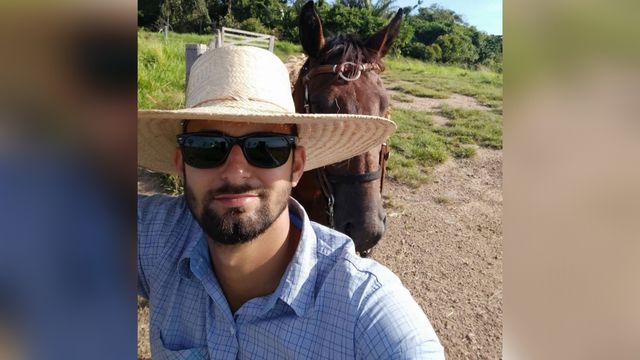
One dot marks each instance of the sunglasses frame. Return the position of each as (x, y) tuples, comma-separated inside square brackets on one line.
[(240, 141)]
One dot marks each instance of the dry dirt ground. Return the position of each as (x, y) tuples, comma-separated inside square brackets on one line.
[(444, 241)]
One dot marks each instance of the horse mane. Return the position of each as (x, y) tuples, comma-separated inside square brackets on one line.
[(347, 47)]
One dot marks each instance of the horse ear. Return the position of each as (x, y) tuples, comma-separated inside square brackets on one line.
[(310, 26), (381, 41)]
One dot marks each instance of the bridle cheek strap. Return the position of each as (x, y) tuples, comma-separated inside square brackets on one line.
[(325, 180)]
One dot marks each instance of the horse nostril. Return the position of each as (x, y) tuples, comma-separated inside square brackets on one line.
[(384, 220)]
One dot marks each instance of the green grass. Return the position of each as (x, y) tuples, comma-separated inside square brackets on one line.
[(172, 184), (417, 146), (284, 49), (420, 91), (439, 81), (401, 98), (161, 69), (472, 126)]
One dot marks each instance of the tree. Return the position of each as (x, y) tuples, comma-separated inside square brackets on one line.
[(355, 20), (404, 39), (185, 15), (490, 51), (457, 48), (436, 13), (148, 12)]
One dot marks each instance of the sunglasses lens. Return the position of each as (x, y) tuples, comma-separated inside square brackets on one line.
[(205, 152), (267, 151)]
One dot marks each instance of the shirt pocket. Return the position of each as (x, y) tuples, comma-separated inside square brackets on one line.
[(173, 352)]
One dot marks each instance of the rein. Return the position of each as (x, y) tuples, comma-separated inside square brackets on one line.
[(325, 179)]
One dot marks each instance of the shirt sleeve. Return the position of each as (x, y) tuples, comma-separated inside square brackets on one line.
[(143, 282), (143, 285), (392, 325)]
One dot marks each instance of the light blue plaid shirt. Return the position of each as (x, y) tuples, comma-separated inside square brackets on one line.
[(330, 304)]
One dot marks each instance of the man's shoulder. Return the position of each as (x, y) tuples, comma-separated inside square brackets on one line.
[(152, 208), (339, 262), (159, 201), (379, 304), (162, 220)]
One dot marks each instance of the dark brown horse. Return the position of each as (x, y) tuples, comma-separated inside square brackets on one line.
[(341, 76)]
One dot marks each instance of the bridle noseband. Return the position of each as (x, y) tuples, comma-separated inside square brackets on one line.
[(324, 178)]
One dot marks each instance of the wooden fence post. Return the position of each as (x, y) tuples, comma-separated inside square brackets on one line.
[(192, 52), (271, 41)]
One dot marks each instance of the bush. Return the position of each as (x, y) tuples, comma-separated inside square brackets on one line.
[(403, 41), (421, 51), (434, 53), (229, 21), (352, 20), (254, 25), (457, 48), (417, 50)]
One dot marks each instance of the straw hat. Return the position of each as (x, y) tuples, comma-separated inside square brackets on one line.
[(249, 84)]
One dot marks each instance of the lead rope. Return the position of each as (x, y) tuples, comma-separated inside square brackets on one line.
[(327, 191), (384, 156)]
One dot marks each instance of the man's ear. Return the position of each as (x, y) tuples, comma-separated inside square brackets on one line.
[(178, 164), (310, 29), (299, 160)]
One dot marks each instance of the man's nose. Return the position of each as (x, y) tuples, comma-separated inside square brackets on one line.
[(236, 167)]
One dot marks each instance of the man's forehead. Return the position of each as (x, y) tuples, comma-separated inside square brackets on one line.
[(236, 128)]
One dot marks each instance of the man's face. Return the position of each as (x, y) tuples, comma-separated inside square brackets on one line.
[(236, 201)]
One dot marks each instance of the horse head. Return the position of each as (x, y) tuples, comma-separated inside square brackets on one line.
[(341, 75)]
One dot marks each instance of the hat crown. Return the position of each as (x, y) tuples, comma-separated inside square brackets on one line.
[(245, 75)]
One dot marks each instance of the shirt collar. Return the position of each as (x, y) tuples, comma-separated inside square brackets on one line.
[(297, 286), (196, 247)]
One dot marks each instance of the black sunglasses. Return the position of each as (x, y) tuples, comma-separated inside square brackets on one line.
[(204, 150)]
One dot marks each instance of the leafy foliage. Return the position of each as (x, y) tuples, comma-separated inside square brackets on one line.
[(352, 20), (433, 34)]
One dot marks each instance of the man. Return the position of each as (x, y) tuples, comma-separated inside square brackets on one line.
[(234, 268)]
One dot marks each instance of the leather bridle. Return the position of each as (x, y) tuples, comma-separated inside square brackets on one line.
[(324, 178)]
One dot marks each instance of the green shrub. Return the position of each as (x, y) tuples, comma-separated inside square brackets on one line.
[(254, 25), (457, 48)]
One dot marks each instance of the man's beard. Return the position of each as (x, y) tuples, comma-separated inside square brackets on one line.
[(231, 228)]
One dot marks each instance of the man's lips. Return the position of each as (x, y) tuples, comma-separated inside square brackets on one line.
[(235, 200)]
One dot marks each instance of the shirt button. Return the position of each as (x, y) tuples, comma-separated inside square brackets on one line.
[(232, 330)]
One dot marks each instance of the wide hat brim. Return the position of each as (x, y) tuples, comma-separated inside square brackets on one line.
[(327, 138)]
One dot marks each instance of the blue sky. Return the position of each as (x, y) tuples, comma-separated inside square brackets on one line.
[(485, 15)]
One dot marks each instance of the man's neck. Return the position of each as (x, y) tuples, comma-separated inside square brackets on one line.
[(254, 269)]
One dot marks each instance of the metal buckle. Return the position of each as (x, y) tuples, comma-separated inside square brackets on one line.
[(357, 76)]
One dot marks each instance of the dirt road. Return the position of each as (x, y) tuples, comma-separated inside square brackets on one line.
[(444, 240)]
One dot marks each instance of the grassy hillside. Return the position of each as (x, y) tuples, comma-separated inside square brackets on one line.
[(419, 142)]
